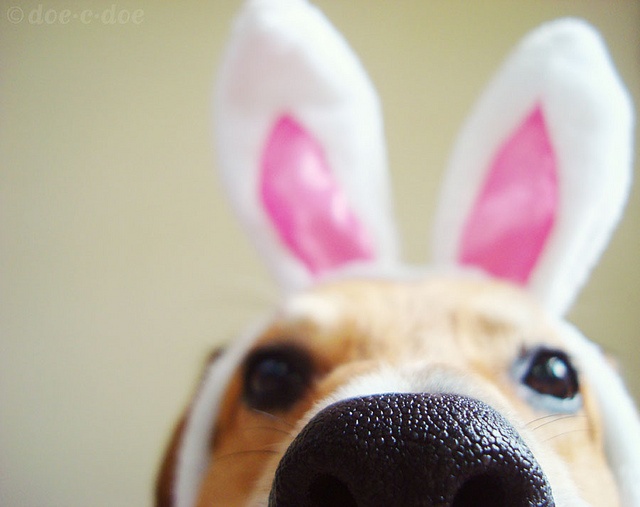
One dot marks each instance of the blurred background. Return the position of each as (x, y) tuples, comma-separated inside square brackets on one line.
[(121, 265)]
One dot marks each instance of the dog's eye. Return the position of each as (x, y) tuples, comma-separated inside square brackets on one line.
[(277, 376), (549, 373)]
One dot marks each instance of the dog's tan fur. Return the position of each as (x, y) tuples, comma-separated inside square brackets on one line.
[(465, 331)]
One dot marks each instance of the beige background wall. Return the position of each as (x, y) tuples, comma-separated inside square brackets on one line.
[(120, 264)]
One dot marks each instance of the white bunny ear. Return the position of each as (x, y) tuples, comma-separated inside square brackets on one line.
[(620, 419), (541, 171), (300, 144)]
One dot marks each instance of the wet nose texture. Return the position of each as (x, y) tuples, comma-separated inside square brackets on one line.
[(409, 450)]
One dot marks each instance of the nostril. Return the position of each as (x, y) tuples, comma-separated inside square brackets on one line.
[(409, 450), (481, 491), (329, 490)]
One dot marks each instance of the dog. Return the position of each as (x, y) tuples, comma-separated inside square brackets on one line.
[(376, 384)]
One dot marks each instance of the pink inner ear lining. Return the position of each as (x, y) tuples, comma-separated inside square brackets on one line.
[(516, 208), (305, 202)]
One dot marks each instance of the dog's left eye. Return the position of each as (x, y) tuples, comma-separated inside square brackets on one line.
[(276, 377), (550, 375)]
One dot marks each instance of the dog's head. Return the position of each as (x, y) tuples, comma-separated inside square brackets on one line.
[(441, 392), (374, 384)]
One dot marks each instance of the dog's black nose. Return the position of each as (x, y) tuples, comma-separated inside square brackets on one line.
[(409, 450)]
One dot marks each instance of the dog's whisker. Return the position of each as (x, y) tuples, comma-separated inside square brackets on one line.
[(269, 428), (555, 415), (565, 433), (543, 418), (246, 453), (274, 418), (553, 419)]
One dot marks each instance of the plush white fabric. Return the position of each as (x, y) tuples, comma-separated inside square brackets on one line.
[(193, 452), (284, 57), (564, 67), (620, 418)]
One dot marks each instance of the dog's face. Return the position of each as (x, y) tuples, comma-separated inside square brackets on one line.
[(440, 392)]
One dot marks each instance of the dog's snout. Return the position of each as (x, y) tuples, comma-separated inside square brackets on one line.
[(409, 450)]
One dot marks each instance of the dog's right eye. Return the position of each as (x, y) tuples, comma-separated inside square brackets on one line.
[(276, 377)]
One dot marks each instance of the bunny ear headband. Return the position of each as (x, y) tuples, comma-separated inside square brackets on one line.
[(537, 181)]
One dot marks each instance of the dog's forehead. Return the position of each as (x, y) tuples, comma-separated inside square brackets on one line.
[(428, 303)]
